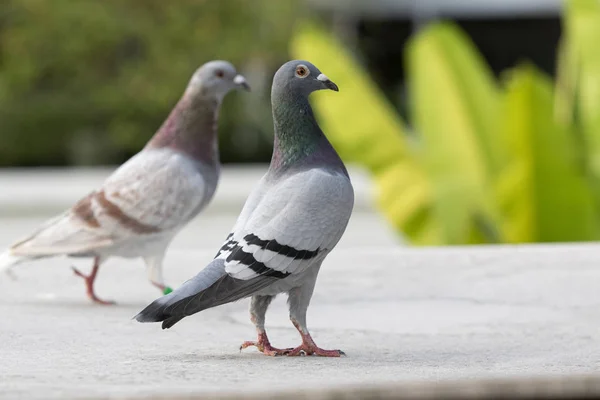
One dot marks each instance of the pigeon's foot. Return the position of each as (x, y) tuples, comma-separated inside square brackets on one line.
[(162, 287), (312, 350), (309, 348), (264, 346), (89, 285)]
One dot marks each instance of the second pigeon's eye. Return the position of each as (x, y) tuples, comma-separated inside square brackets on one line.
[(302, 71), (219, 73)]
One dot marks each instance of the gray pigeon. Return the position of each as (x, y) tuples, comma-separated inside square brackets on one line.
[(289, 223), (147, 200)]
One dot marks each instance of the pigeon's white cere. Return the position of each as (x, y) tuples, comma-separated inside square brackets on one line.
[(323, 78), (239, 80)]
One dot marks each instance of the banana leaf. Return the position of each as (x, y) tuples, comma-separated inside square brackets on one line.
[(543, 193), (578, 84), (455, 104)]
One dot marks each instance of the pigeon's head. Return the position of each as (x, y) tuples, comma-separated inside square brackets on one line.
[(302, 77), (216, 78)]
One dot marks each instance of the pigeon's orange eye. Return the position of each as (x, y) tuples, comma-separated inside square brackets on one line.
[(302, 71), (219, 73)]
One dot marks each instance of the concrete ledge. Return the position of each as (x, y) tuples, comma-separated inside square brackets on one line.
[(462, 322), (49, 191), (559, 387)]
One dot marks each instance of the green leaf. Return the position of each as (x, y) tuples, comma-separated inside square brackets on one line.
[(544, 196), (578, 94), (455, 104), (365, 129)]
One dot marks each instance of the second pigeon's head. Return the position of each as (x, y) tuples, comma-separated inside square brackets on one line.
[(216, 78), (301, 77)]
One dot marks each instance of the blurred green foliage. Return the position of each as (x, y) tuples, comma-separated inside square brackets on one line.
[(511, 160), (548, 198), (463, 151), (88, 81), (479, 159)]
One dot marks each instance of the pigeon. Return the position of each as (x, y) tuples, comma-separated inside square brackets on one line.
[(141, 207), (288, 225)]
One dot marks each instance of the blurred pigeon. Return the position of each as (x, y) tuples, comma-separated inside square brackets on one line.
[(289, 223), (145, 202)]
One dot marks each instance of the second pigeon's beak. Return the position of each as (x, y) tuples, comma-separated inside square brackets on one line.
[(328, 83), (240, 82)]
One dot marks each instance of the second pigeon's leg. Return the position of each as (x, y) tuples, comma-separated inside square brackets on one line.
[(258, 309), (155, 275), (299, 299), (89, 282)]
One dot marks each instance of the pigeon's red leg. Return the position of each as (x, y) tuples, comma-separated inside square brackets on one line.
[(154, 269), (89, 283), (258, 308), (298, 301), (264, 346), (162, 287), (309, 348)]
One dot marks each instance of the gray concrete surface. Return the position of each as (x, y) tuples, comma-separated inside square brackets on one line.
[(401, 315)]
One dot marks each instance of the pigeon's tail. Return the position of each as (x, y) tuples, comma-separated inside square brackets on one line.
[(8, 260), (210, 288)]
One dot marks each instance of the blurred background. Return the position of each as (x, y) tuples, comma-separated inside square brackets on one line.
[(478, 121)]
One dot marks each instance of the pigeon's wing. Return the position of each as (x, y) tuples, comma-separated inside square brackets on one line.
[(297, 221), (250, 205), (162, 191), (154, 192)]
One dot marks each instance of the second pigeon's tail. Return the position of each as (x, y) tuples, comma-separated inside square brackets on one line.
[(7, 261), (210, 288)]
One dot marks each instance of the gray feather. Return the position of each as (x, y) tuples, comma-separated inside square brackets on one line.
[(210, 288)]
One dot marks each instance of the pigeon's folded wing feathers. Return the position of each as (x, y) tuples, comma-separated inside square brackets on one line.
[(121, 209), (293, 224), (177, 186)]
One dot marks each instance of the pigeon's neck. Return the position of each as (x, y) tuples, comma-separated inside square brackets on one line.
[(191, 128), (298, 137)]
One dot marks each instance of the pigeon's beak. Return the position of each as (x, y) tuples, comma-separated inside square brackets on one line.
[(240, 82), (328, 83)]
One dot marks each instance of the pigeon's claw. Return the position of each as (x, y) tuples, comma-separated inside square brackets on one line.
[(309, 347), (264, 346), (307, 350), (266, 349)]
